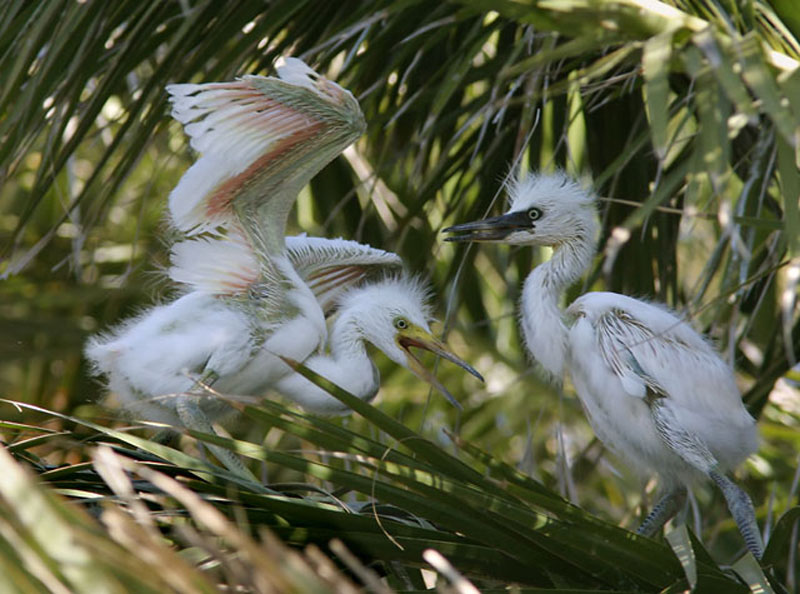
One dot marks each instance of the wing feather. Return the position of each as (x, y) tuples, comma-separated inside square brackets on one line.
[(651, 349), (223, 264), (332, 266), (226, 264), (260, 139), (691, 392), (619, 336)]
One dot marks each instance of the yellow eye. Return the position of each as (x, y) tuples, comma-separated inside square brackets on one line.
[(400, 323)]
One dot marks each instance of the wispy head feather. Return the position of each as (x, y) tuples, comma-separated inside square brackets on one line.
[(401, 292), (525, 190)]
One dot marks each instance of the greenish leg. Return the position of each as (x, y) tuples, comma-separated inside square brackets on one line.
[(206, 380), (692, 450), (193, 417)]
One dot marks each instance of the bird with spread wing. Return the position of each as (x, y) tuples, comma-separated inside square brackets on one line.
[(251, 296), (654, 390)]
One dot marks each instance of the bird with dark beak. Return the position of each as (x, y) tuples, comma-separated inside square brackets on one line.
[(655, 391)]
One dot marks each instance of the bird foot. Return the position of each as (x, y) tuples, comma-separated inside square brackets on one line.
[(192, 416)]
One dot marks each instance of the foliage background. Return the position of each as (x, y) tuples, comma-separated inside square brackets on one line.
[(683, 115)]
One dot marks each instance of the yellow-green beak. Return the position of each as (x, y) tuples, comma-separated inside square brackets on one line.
[(416, 337)]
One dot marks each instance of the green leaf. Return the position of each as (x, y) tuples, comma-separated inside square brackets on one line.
[(656, 56), (783, 537), (678, 538)]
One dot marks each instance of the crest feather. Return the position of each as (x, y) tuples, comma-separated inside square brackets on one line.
[(523, 189), (413, 292)]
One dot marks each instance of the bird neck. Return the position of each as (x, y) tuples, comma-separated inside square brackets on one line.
[(346, 364), (569, 261), (544, 331), (348, 350), (347, 341)]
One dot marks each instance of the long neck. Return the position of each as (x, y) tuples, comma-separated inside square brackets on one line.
[(347, 365), (544, 331), (347, 343)]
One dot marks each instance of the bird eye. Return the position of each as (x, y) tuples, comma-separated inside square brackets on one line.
[(534, 214), (401, 323)]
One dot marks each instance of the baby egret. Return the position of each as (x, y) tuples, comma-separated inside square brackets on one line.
[(654, 390), (260, 140), (391, 314), (359, 285), (158, 361), (250, 295)]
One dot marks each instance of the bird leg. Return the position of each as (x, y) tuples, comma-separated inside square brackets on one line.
[(692, 450), (666, 508), (192, 416), (742, 511), (169, 437)]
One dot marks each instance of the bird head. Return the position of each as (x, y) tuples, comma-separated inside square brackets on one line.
[(545, 209), (393, 315)]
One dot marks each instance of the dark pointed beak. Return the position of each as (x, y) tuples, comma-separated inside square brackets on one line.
[(491, 229)]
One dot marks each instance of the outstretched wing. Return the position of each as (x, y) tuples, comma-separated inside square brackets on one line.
[(331, 266), (261, 139), (226, 264)]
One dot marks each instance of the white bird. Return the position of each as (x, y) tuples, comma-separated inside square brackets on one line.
[(250, 296), (655, 392), (230, 340), (360, 287)]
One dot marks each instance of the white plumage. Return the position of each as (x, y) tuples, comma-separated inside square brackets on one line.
[(153, 359), (622, 353), (654, 390), (392, 314), (252, 296)]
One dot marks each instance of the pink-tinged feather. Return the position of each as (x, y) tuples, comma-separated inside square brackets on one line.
[(218, 202), (224, 265), (260, 139)]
